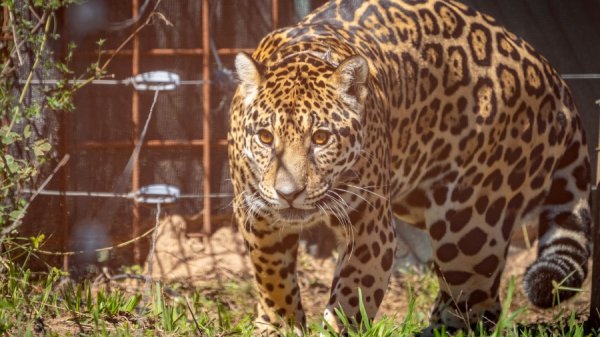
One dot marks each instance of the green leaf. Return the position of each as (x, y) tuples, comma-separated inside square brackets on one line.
[(27, 131), (9, 137), (9, 161), (41, 147), (36, 241), (33, 111), (16, 214), (102, 256)]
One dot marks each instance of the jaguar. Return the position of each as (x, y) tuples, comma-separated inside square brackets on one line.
[(426, 111)]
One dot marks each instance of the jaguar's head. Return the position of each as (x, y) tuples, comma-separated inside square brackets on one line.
[(302, 133)]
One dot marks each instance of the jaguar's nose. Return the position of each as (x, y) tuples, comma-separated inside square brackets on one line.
[(291, 195)]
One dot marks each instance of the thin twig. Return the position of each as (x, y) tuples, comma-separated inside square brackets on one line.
[(36, 60), (153, 247), (32, 11), (13, 24), (121, 46), (40, 23), (187, 302), (97, 250), (135, 32), (144, 9), (126, 276)]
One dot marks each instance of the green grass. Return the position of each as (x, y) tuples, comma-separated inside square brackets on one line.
[(43, 305)]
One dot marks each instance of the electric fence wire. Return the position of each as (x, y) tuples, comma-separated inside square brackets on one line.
[(580, 76), (129, 195), (107, 82)]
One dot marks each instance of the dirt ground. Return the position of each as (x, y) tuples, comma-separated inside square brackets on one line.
[(223, 260)]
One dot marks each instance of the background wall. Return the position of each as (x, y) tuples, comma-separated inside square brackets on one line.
[(567, 33)]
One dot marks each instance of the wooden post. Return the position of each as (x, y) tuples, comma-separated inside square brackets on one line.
[(135, 137), (206, 117), (274, 14), (594, 319)]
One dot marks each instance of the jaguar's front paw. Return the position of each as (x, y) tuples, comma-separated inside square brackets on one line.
[(266, 329)]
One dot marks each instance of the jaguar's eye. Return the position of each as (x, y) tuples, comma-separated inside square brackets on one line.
[(320, 137), (265, 137)]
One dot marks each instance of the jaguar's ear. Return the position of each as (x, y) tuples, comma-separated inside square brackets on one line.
[(249, 74), (351, 78)]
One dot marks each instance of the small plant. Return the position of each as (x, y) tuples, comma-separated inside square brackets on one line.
[(24, 106), (24, 150), (367, 328), (559, 287), (506, 318)]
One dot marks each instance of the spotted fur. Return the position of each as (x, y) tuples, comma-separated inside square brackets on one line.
[(426, 110)]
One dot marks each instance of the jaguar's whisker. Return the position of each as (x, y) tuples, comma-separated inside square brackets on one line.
[(356, 194)]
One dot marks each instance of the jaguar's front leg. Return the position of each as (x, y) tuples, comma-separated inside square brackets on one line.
[(273, 255), (365, 263)]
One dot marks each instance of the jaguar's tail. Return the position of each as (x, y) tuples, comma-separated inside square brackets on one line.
[(565, 221)]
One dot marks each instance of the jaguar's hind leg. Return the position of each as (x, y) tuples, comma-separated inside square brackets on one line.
[(469, 253)]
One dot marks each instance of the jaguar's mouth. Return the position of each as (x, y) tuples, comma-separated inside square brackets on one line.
[(296, 214)]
